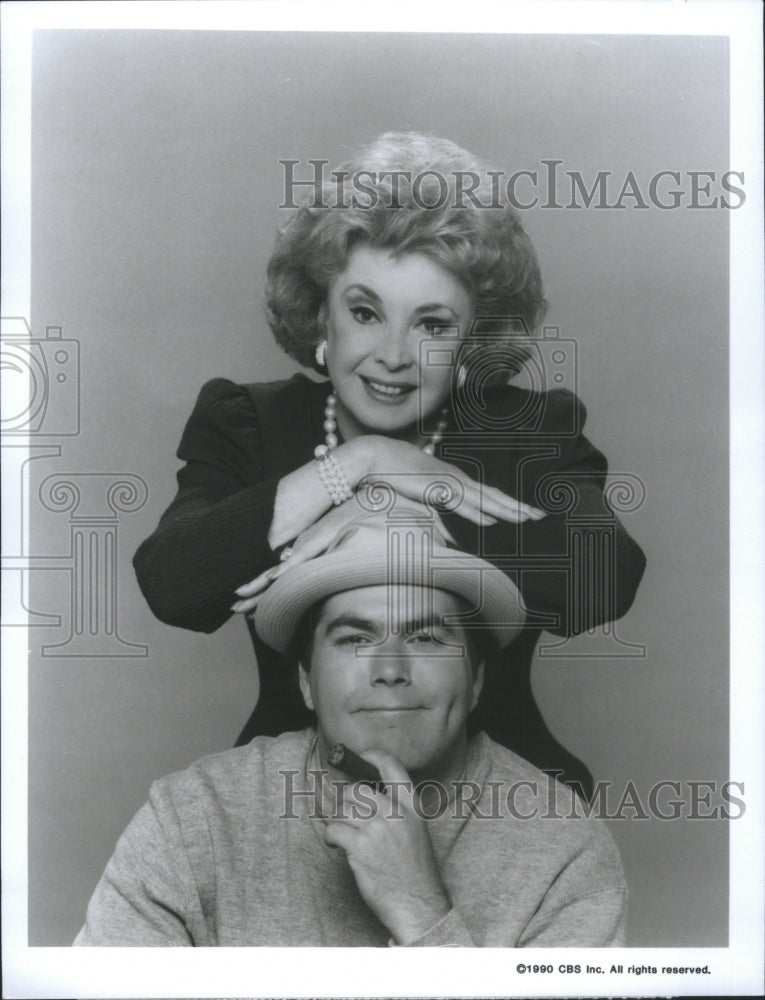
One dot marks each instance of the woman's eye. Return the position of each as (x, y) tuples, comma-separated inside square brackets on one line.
[(364, 314), (438, 327)]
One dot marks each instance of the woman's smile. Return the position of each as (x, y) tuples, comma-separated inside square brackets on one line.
[(388, 393)]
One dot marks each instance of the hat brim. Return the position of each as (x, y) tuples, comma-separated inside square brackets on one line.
[(493, 600)]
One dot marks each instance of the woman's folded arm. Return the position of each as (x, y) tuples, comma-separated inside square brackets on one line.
[(577, 567), (214, 535)]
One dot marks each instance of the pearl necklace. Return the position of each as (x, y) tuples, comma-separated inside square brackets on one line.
[(330, 427)]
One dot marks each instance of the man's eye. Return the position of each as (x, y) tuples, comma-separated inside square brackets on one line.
[(353, 640), (422, 638), (363, 314)]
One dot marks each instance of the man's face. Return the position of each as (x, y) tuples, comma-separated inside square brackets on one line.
[(407, 693)]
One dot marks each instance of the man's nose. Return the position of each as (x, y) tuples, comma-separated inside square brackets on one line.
[(390, 671), (393, 348)]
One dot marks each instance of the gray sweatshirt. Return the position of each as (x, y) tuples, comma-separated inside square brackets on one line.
[(230, 852)]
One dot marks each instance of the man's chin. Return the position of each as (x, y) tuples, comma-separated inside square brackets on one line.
[(412, 758)]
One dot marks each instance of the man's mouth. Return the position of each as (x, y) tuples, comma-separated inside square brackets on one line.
[(392, 708)]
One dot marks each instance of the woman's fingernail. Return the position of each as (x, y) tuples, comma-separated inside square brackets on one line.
[(238, 606)]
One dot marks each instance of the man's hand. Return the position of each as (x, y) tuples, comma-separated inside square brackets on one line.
[(390, 853)]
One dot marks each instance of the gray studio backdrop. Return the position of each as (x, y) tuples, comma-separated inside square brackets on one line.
[(155, 193)]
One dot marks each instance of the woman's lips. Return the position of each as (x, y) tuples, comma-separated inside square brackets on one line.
[(387, 392)]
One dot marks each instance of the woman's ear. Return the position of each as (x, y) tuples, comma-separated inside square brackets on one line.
[(305, 687)]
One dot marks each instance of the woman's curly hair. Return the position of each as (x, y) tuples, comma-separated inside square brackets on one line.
[(486, 248)]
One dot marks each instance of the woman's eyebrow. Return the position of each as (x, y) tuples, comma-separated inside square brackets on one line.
[(370, 294), (432, 306)]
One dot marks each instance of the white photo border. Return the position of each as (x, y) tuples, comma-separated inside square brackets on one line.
[(737, 969)]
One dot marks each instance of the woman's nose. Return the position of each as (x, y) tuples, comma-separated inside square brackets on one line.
[(393, 348), (390, 671)]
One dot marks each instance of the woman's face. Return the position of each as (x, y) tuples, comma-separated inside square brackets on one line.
[(380, 311)]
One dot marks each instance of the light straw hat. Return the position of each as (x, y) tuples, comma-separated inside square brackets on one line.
[(375, 550)]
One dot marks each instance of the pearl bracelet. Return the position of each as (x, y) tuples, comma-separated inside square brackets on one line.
[(332, 476)]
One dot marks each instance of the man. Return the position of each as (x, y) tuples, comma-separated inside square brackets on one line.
[(460, 842)]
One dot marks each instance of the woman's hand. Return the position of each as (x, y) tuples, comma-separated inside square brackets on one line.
[(373, 464), (410, 472), (388, 473), (319, 536)]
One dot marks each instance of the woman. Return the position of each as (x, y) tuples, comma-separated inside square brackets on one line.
[(411, 283)]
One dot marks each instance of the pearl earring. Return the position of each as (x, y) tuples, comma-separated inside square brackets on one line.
[(321, 354)]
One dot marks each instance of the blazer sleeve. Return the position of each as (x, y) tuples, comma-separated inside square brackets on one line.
[(213, 536), (578, 567)]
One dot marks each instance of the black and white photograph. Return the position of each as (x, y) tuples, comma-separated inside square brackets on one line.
[(382, 441)]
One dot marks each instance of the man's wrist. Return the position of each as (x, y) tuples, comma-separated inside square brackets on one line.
[(414, 923)]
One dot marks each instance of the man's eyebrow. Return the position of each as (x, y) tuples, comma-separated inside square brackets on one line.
[(422, 623), (351, 621), (426, 623)]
